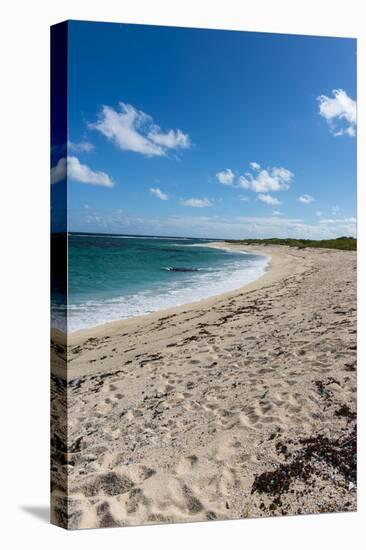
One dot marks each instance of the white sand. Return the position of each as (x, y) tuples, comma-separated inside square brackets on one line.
[(201, 412)]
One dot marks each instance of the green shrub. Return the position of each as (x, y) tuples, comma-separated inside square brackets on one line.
[(340, 243)]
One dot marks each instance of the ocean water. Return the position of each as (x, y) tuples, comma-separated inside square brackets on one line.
[(112, 277)]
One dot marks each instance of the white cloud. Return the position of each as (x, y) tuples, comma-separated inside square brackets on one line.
[(259, 181), (339, 226), (319, 213), (268, 199), (158, 193), (340, 112), (196, 203), (59, 172), (268, 220), (173, 139), (332, 221), (243, 198), (276, 213), (272, 179), (208, 226), (81, 147), (134, 130), (226, 177), (335, 210), (306, 199), (71, 168)]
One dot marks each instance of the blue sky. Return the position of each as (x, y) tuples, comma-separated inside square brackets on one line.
[(209, 133)]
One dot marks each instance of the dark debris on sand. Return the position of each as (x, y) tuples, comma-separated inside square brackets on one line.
[(317, 457), (346, 412)]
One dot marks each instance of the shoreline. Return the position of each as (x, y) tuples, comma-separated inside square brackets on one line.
[(240, 405), (276, 267)]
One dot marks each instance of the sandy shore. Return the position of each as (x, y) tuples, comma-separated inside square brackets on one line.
[(242, 405)]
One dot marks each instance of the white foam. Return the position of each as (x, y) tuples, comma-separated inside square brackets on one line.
[(175, 293)]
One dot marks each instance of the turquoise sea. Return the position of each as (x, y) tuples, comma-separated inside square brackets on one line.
[(113, 277)]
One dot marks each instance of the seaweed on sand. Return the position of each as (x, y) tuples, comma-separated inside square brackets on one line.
[(316, 455)]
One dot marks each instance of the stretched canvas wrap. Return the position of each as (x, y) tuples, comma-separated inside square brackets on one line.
[(203, 188)]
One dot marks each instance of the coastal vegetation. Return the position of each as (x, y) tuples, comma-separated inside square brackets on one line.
[(340, 243)]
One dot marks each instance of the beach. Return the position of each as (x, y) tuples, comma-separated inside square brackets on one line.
[(240, 405)]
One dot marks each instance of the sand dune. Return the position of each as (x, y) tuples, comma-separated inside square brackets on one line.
[(242, 405)]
